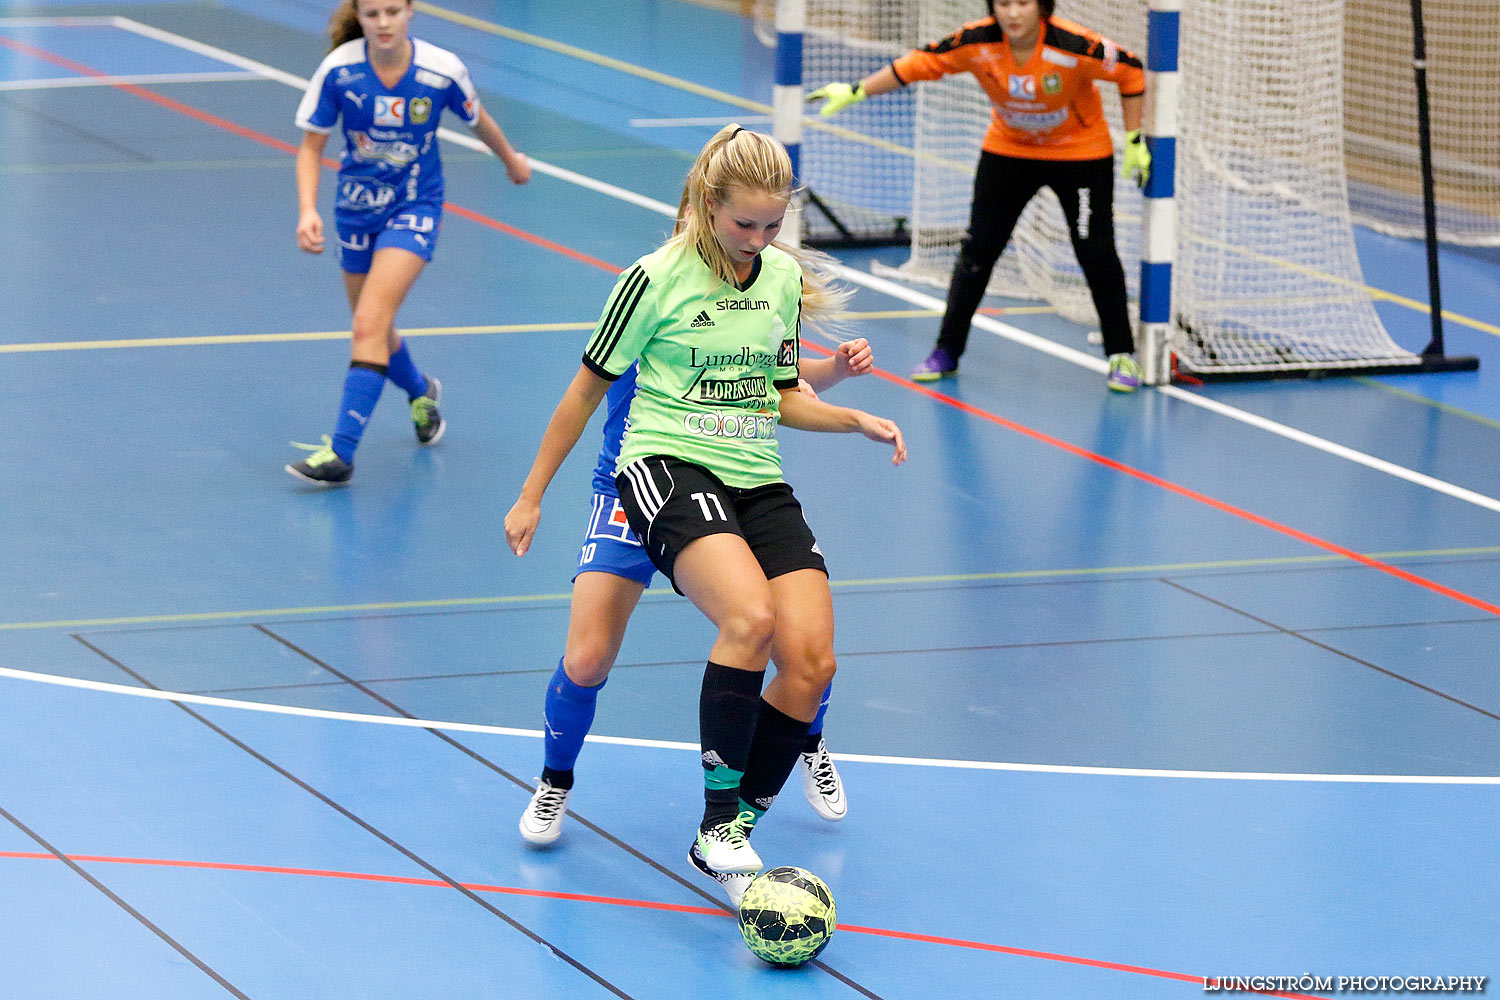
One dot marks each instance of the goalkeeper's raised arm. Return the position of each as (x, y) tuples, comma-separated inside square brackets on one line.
[(1047, 129)]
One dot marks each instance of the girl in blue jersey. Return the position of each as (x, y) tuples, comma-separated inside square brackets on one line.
[(390, 90), (613, 571), (714, 318)]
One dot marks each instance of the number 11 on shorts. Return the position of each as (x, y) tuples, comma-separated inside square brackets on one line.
[(708, 515)]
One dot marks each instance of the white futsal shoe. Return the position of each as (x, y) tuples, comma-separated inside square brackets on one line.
[(822, 785), (541, 823)]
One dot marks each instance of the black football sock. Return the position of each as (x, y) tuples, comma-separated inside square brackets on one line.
[(773, 753), (727, 711)]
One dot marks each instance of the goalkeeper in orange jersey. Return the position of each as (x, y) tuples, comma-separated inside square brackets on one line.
[(1047, 128)]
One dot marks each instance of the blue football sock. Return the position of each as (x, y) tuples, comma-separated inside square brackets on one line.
[(362, 387), (403, 371), (568, 713), (816, 729)]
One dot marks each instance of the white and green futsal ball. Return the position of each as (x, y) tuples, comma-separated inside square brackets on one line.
[(787, 916)]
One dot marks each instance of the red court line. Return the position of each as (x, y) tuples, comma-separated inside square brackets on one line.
[(1183, 491), (959, 404), (208, 118), (644, 904)]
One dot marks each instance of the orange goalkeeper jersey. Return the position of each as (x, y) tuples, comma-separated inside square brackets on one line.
[(1048, 109)]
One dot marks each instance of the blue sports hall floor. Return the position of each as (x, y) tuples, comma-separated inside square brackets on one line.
[(1133, 690)]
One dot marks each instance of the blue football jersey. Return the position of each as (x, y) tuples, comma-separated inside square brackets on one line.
[(390, 152), (617, 407)]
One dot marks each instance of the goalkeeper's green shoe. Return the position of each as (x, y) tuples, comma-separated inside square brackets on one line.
[(425, 418), (1124, 373), (323, 466)]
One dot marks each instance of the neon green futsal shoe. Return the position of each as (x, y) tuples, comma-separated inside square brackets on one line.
[(1124, 373), (323, 466), (429, 423), (725, 847)]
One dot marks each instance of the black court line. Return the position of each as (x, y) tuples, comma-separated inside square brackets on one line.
[(522, 672), (593, 827), (1338, 652), (842, 656), (64, 125), (369, 828), (856, 654), (137, 914)]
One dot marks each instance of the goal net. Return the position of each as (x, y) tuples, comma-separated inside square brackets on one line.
[(1380, 145), (1266, 280)]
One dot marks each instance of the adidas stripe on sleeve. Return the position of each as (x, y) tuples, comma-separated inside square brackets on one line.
[(624, 327)]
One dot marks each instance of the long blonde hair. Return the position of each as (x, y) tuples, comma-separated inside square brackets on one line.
[(739, 158)]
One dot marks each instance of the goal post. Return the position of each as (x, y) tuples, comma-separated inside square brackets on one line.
[(1240, 252), (1159, 208)]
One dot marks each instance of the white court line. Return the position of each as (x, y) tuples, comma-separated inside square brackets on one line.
[(971, 765), (988, 323), (718, 122), (56, 22), (143, 79)]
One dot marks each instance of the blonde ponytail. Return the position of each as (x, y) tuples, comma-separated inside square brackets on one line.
[(739, 158)]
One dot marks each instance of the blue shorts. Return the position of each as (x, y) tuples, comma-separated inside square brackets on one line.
[(415, 228), (609, 546)]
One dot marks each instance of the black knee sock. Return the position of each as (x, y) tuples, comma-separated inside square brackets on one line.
[(727, 711), (773, 754)]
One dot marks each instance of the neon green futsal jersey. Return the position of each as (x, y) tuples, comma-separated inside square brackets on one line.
[(713, 360)]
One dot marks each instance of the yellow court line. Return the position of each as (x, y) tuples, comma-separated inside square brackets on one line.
[(1424, 401), (923, 313), (208, 616), (429, 331), (735, 100), (276, 338), (664, 592), (631, 69)]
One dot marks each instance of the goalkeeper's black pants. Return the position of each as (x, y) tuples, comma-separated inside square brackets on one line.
[(1002, 188)]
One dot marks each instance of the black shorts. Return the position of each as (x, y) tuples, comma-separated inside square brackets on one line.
[(670, 503)]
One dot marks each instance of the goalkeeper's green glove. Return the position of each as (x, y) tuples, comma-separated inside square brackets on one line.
[(837, 96), (1137, 160)]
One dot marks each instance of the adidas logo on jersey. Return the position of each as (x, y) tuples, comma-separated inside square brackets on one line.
[(701, 320)]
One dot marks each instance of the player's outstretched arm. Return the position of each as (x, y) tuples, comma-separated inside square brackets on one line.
[(853, 357), (568, 421), (838, 96), (805, 413), (517, 166), (309, 164)]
